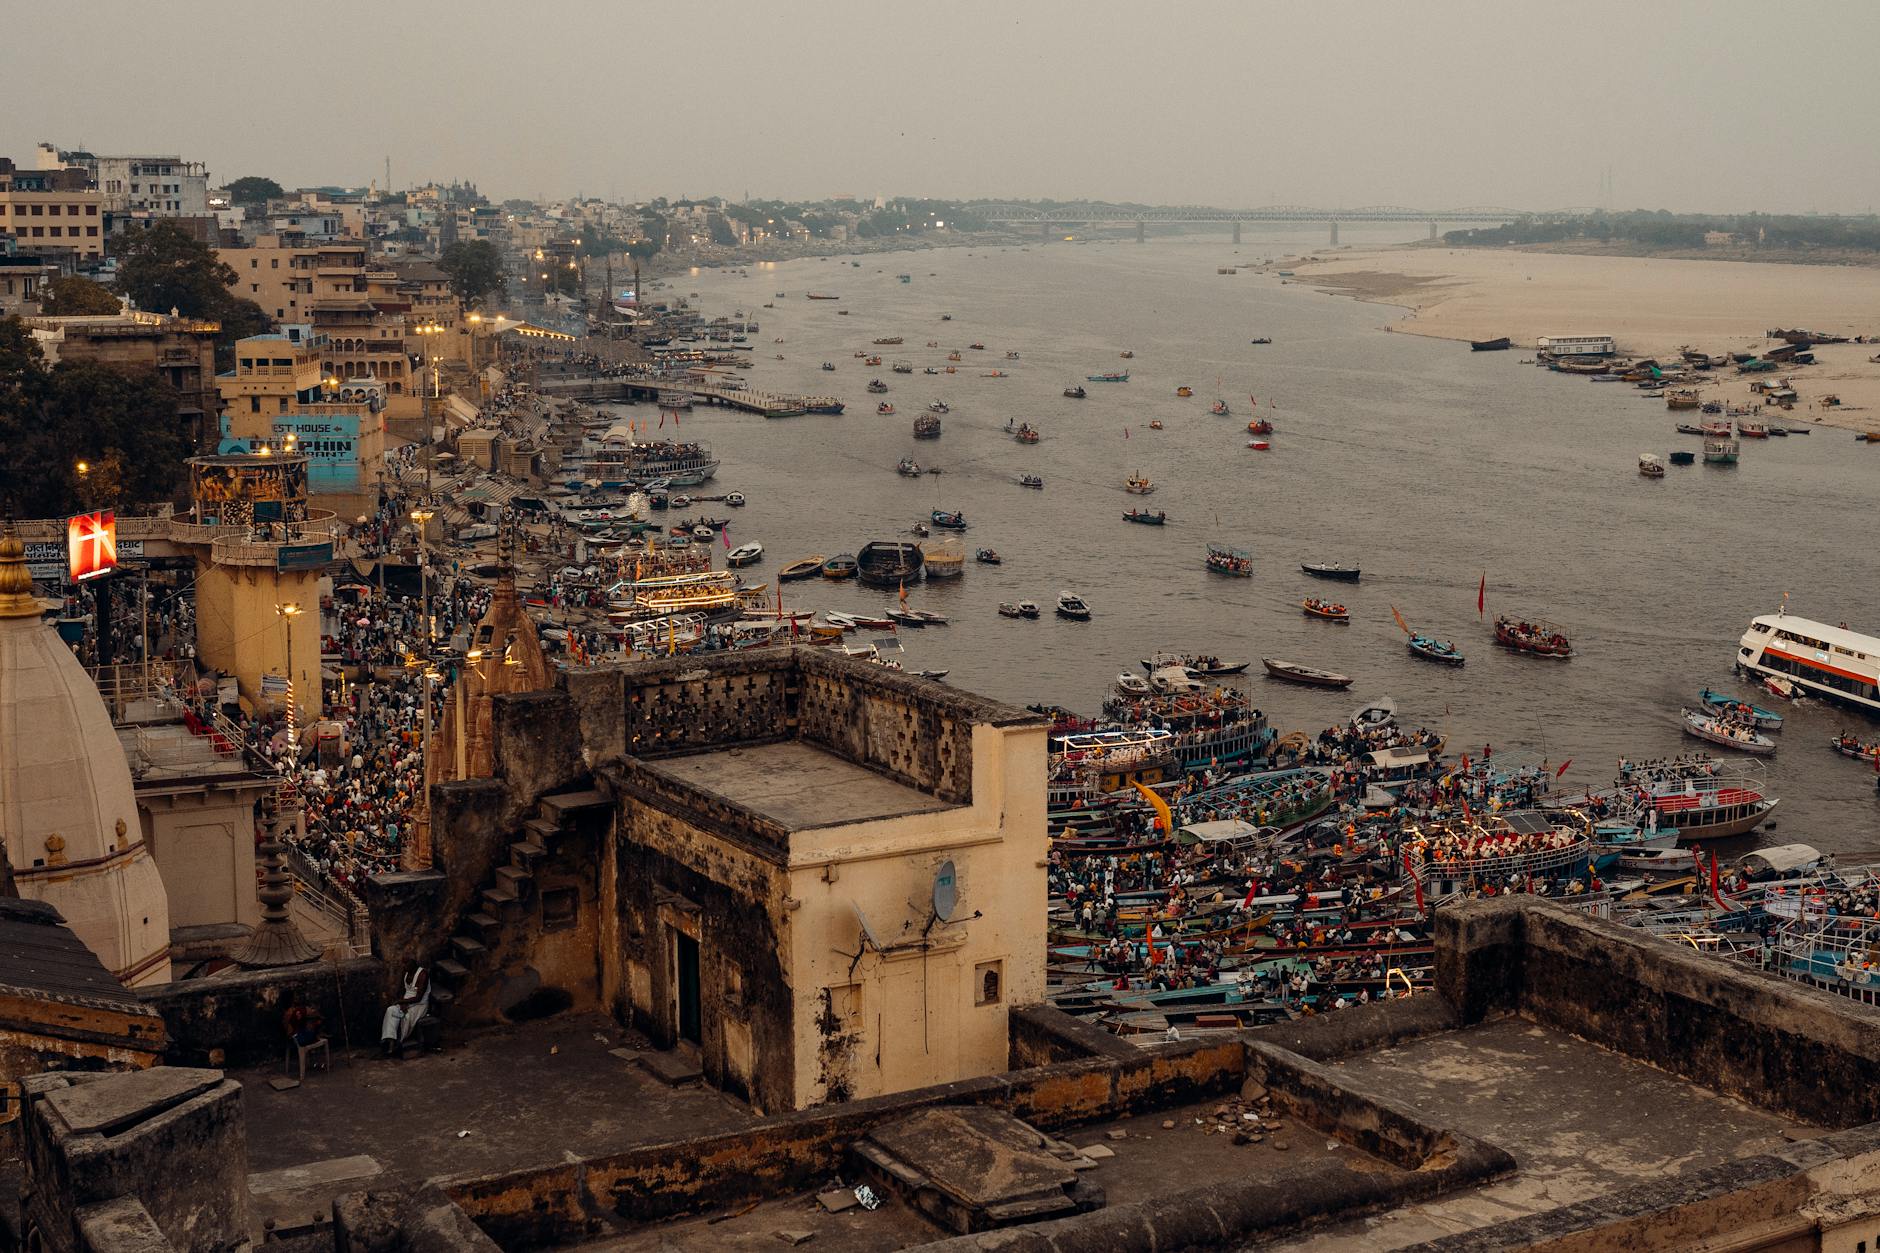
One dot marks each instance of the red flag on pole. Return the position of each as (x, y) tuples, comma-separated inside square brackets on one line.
[(1481, 598), (1414, 881), (1563, 767)]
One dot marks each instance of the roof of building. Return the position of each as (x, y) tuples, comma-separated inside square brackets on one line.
[(40, 957)]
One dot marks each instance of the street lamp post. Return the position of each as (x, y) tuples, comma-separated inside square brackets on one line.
[(289, 611), (423, 517)]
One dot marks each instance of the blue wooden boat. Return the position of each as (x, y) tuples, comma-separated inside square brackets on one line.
[(1432, 649), (1145, 517), (1766, 719), (954, 521)]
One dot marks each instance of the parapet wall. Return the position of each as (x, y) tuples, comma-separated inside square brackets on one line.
[(235, 1020), (912, 730), (1786, 1047)]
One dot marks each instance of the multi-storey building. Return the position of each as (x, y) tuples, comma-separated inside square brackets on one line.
[(180, 350), (158, 186), (282, 396), (51, 212)]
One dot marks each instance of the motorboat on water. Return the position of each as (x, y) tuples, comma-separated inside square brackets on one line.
[(927, 426), (1722, 703), (1260, 426), (1293, 672), (885, 409), (1108, 376), (1851, 746), (1155, 424), (1132, 685), (1026, 433), (1325, 610), (948, 521), (1258, 445), (802, 568), (1322, 570), (829, 365), (1730, 733), (1430, 648), (1071, 605)]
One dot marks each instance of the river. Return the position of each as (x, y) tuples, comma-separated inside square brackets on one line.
[(1427, 464)]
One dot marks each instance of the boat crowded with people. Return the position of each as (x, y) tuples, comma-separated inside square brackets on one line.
[(1532, 637), (1076, 393), (1138, 485), (1728, 731), (1432, 649), (1325, 610), (1233, 562)]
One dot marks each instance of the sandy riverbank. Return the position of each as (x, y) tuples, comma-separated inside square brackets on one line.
[(1653, 306)]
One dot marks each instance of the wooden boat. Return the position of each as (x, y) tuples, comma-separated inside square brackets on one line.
[(1026, 434), (1683, 457), (1325, 610), (1723, 702), (987, 557), (1535, 638), (1108, 376), (889, 339), (1260, 426), (954, 521), (1685, 428), (859, 621), (939, 406), (1010, 609), (1292, 672), (1219, 409), (1028, 609), (1031, 480), (840, 566), (908, 468), (1431, 649), (1706, 726), (1229, 561), (744, 555), (1138, 485), (1076, 393), (953, 356), (1320, 570), (1721, 451), (1752, 430), (916, 617), (977, 347), (877, 386), (885, 409), (1071, 605), (1145, 518), (927, 426), (1155, 424), (1681, 400), (803, 568), (1650, 467), (1490, 345), (1262, 339), (1184, 391)]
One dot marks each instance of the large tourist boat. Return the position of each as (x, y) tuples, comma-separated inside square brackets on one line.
[(1834, 662), (618, 464), (1722, 451), (1699, 797)]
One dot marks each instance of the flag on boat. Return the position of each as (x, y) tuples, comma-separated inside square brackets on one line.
[(903, 593), (724, 534), (1563, 767), (1414, 881), (1402, 625), (1481, 597)]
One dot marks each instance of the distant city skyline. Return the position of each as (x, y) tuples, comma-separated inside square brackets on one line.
[(1440, 105)]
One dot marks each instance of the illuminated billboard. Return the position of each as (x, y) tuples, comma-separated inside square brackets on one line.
[(91, 545)]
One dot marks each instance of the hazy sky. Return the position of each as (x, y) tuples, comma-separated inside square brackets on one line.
[(1715, 104)]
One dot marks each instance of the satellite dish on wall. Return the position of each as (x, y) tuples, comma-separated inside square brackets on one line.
[(946, 892), (868, 935)]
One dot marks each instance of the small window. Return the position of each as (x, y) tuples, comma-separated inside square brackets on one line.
[(559, 908), (988, 983)]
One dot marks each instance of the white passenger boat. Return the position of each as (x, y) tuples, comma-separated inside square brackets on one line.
[(1834, 662)]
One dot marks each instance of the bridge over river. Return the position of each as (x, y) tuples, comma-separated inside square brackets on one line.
[(1054, 220)]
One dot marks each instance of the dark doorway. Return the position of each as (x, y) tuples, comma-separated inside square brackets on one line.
[(687, 954)]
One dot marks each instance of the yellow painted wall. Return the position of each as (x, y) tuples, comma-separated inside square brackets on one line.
[(239, 632)]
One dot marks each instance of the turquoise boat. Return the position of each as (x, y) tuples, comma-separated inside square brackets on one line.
[(1718, 702), (1432, 649)]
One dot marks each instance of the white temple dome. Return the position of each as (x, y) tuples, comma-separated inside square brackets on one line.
[(68, 810)]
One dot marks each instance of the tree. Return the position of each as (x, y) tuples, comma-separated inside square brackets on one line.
[(74, 294), (164, 268), (253, 190), (121, 424), (643, 248), (475, 269)]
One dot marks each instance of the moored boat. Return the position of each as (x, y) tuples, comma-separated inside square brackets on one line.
[(840, 566), (744, 555), (1325, 610), (1683, 457), (1323, 570), (1292, 672), (888, 563), (1721, 451), (802, 568), (1490, 345)]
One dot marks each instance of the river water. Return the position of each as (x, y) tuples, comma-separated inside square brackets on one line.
[(1427, 464)]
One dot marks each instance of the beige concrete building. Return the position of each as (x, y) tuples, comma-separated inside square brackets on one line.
[(67, 808), (280, 395), (180, 350), (51, 212)]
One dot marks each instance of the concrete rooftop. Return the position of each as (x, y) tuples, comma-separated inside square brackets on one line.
[(1581, 1122), (526, 1094), (797, 786)]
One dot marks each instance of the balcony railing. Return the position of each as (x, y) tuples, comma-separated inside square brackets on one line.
[(239, 546)]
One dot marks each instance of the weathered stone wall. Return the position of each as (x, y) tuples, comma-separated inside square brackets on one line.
[(1794, 1049), (726, 893), (173, 1139), (682, 704), (795, 1151), (235, 1020), (1041, 1035)]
